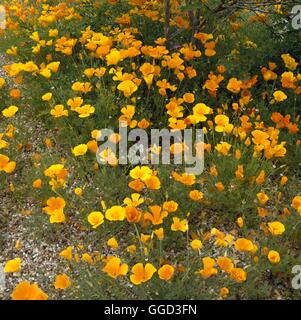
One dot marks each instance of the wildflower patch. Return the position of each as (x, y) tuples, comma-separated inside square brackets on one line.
[(150, 150)]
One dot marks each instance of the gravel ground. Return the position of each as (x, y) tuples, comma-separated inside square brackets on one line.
[(39, 258), (39, 251)]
